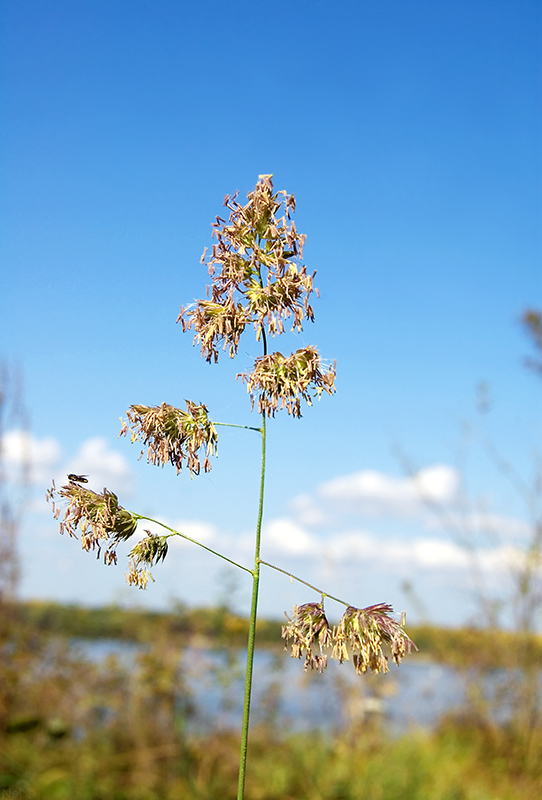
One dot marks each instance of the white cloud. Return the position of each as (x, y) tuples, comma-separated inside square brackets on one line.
[(437, 554), (104, 466), (204, 532), (308, 511), (29, 458), (374, 493), (36, 460), (507, 558), (286, 536), (422, 553), (369, 549), (498, 525)]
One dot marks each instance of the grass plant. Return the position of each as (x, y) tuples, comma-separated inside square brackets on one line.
[(258, 282)]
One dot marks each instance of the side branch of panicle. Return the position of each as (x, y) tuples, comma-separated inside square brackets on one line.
[(216, 326), (363, 633), (282, 382), (100, 518), (310, 634), (103, 523), (148, 551), (172, 435)]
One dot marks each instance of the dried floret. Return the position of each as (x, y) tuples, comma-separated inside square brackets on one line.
[(310, 634), (172, 435), (278, 382), (147, 552), (363, 631), (99, 518)]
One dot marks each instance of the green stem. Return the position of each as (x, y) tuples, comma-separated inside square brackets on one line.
[(252, 629), (195, 541), (254, 605), (299, 580), (231, 425)]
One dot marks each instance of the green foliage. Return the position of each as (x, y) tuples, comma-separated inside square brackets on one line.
[(142, 625), (460, 647), (118, 765), (71, 729)]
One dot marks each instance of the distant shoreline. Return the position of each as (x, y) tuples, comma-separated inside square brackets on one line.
[(218, 627)]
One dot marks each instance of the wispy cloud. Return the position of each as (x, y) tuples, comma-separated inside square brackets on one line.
[(374, 493), (29, 458), (105, 466), (497, 525), (335, 520), (201, 531), (284, 535), (36, 461), (390, 554), (394, 554)]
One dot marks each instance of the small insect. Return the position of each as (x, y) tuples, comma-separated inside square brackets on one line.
[(77, 478)]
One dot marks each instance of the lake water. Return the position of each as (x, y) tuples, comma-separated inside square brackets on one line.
[(418, 693)]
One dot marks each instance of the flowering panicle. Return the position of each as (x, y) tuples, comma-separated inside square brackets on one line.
[(364, 631), (310, 632), (277, 379), (173, 435), (257, 278), (148, 551), (216, 323), (103, 522), (99, 517), (361, 632)]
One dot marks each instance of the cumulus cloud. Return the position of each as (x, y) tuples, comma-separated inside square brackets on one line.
[(201, 531), (422, 554), (308, 510), (498, 525), (284, 535), (204, 532), (104, 466), (35, 461), (507, 558), (374, 493), (364, 547), (29, 458)]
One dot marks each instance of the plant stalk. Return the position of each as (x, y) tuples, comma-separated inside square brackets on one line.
[(194, 541), (252, 630), (299, 580)]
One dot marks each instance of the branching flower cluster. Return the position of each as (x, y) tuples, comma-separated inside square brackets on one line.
[(276, 378), (310, 633), (99, 517), (361, 633), (173, 435), (258, 280), (102, 522), (150, 550)]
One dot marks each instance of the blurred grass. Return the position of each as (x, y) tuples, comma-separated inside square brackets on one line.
[(72, 729), (461, 647), (453, 764)]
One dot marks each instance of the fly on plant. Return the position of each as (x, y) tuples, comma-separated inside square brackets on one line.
[(77, 478)]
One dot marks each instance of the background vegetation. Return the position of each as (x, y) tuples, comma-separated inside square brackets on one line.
[(70, 728)]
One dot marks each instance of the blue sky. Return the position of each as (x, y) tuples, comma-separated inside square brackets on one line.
[(410, 135)]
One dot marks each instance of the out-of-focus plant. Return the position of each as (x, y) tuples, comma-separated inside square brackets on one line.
[(532, 322), (257, 282), (13, 482), (504, 704), (13, 493)]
